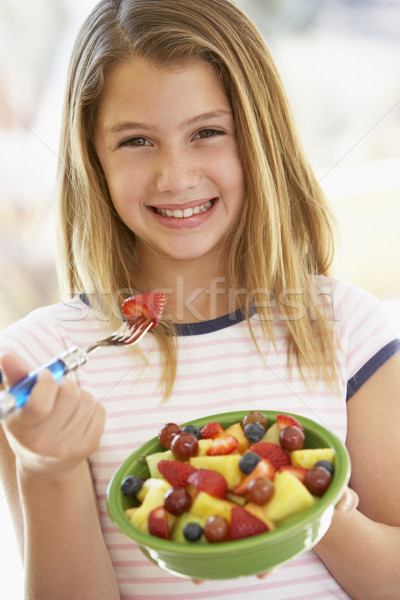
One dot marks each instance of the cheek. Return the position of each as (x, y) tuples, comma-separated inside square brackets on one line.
[(231, 176), (230, 167), (125, 189)]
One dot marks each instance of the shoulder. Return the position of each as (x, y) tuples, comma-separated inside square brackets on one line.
[(354, 310), (366, 335), (342, 292)]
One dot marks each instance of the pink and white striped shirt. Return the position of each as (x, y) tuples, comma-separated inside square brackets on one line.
[(218, 370)]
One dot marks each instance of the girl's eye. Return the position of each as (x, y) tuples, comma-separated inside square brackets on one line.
[(135, 142), (207, 133)]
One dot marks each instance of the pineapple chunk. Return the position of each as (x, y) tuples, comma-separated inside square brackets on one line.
[(203, 446), (226, 464), (153, 459), (154, 498), (237, 432), (206, 506), (308, 457), (152, 482), (272, 434), (290, 497)]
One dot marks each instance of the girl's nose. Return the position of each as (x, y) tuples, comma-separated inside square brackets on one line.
[(176, 172)]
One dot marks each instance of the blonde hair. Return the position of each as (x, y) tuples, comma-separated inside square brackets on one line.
[(284, 235)]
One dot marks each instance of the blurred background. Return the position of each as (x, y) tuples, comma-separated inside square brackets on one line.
[(340, 64)]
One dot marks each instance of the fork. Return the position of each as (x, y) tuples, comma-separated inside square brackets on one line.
[(127, 335)]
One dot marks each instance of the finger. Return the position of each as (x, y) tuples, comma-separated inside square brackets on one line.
[(77, 421), (68, 408), (95, 427), (348, 501), (80, 420), (39, 406), (14, 368)]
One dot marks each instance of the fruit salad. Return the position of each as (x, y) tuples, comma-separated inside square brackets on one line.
[(213, 485)]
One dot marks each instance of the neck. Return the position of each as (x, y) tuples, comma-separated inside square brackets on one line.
[(197, 290)]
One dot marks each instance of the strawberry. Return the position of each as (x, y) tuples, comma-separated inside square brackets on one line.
[(244, 524), (209, 481), (157, 522), (264, 468), (284, 421), (150, 306), (275, 454), (223, 445), (175, 472), (211, 430), (299, 472)]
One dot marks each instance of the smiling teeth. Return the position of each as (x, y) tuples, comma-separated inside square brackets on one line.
[(186, 212)]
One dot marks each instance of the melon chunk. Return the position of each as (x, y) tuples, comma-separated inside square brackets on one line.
[(272, 434), (182, 520)]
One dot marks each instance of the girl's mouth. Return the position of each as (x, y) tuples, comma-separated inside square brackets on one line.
[(178, 213)]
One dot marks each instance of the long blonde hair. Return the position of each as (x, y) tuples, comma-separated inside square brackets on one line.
[(284, 235)]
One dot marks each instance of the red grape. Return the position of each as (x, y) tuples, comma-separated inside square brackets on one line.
[(216, 529), (255, 416), (167, 433), (184, 446), (177, 501), (291, 438), (317, 480), (260, 491)]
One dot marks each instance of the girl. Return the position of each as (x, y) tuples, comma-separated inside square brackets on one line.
[(180, 171)]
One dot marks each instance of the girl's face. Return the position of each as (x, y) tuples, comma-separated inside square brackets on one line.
[(166, 141)]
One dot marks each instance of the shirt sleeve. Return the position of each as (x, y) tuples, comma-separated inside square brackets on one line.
[(366, 334)]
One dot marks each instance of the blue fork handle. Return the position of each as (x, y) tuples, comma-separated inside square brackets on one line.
[(17, 395)]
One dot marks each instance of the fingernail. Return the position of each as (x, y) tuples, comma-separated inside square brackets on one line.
[(349, 502)]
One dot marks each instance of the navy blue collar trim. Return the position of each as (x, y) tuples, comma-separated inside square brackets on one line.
[(202, 327)]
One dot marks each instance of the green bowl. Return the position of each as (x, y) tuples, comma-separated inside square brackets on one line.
[(249, 556)]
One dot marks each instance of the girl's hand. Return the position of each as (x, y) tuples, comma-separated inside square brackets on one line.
[(348, 501), (59, 426)]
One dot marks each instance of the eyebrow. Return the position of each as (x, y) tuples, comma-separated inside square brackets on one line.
[(126, 125)]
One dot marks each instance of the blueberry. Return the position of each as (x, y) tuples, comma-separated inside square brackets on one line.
[(248, 461), (192, 429), (254, 432), (131, 485), (192, 532), (327, 465)]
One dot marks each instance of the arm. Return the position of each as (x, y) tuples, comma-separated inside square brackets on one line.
[(55, 507), (361, 548)]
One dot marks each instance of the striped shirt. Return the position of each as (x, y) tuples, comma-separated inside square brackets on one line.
[(219, 370)]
